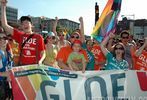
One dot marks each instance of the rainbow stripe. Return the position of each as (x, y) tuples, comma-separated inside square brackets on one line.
[(27, 86), (107, 20)]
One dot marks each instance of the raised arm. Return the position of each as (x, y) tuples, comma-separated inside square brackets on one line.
[(8, 28), (104, 42), (139, 51), (82, 29), (55, 26)]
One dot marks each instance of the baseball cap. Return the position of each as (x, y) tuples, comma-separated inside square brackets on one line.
[(23, 18), (50, 34)]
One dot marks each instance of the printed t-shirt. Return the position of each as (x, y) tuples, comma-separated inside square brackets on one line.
[(32, 48), (76, 59), (99, 56), (114, 64), (140, 62), (64, 52)]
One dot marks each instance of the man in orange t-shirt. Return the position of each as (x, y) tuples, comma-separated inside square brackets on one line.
[(140, 58), (98, 55)]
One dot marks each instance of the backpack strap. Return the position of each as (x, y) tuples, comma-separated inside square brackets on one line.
[(26, 40)]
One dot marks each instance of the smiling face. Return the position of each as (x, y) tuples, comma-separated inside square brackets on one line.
[(74, 36), (26, 26), (61, 36), (119, 50), (125, 38), (51, 39), (76, 47)]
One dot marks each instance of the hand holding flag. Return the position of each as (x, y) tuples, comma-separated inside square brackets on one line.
[(107, 21)]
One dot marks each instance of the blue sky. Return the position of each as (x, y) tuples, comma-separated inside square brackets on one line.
[(73, 9)]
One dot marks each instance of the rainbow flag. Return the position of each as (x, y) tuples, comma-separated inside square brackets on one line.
[(107, 20)]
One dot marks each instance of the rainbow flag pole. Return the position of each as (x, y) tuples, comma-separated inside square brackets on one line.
[(107, 20)]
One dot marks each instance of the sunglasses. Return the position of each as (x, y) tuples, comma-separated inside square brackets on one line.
[(3, 38), (125, 37), (61, 35), (51, 37), (77, 37), (120, 48)]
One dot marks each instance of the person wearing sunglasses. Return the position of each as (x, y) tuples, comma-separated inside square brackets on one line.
[(61, 41), (64, 52), (86, 44), (129, 47), (51, 50), (31, 45), (140, 57), (115, 59)]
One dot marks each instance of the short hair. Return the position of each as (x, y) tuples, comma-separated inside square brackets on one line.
[(124, 32), (75, 33), (23, 18)]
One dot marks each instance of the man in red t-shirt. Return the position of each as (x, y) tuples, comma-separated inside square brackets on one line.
[(33, 51)]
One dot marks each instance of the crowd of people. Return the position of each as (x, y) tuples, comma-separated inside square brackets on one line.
[(75, 53)]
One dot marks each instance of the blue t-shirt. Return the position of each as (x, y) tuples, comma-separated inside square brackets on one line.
[(5, 61), (90, 64), (114, 64)]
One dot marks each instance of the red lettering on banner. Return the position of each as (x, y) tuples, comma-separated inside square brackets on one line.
[(142, 78)]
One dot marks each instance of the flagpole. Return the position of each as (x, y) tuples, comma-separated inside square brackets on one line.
[(96, 12)]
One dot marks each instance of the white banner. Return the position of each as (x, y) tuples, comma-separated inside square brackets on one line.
[(92, 85)]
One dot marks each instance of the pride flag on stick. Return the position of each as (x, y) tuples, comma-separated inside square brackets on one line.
[(107, 20)]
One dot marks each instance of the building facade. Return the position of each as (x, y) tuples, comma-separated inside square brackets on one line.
[(46, 24), (138, 28), (68, 25)]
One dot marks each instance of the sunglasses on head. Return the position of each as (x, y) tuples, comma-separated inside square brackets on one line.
[(125, 37), (120, 48), (77, 37)]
